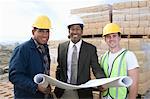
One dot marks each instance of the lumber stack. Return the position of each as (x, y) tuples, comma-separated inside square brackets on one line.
[(95, 18), (133, 17), (143, 56)]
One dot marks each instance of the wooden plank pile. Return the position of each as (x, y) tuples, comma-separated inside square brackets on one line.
[(134, 19), (95, 18)]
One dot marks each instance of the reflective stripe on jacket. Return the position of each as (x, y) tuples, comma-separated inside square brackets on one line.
[(119, 68)]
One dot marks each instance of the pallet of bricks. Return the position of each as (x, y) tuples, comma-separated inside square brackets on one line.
[(134, 19)]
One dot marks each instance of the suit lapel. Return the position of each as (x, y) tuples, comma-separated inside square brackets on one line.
[(65, 51), (82, 56)]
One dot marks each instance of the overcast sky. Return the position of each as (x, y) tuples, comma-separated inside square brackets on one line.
[(17, 16)]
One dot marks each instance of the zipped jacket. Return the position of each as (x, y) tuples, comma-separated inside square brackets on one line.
[(25, 63)]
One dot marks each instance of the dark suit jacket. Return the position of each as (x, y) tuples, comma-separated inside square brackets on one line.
[(87, 58)]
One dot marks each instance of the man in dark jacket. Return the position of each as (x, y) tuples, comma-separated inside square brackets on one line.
[(75, 69), (29, 59)]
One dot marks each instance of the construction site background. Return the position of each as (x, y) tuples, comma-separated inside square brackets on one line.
[(134, 19)]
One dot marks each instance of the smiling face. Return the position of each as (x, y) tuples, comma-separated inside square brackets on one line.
[(41, 35), (75, 33), (113, 40)]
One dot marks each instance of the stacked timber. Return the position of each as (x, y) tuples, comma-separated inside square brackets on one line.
[(141, 48), (94, 17), (134, 19)]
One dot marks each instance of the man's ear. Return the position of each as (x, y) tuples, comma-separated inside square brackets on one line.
[(69, 34), (33, 32)]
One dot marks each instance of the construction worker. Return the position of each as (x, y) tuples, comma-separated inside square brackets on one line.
[(118, 61), (29, 59), (75, 58)]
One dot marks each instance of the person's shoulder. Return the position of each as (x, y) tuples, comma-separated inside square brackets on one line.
[(88, 44), (63, 43), (130, 54), (25, 45)]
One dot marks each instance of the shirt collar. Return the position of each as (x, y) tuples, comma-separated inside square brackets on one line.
[(78, 44), (37, 44)]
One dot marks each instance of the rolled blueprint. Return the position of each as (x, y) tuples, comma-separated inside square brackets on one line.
[(124, 81), (41, 80), (45, 80)]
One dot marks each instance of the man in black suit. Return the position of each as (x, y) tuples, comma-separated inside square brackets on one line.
[(86, 58)]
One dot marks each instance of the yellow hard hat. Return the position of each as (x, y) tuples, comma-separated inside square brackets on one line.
[(42, 22), (111, 28)]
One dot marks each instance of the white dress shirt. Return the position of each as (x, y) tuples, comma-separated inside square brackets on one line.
[(69, 57)]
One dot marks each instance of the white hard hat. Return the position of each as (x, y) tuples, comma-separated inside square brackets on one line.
[(75, 20)]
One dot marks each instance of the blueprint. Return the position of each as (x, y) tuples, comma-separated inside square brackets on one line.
[(122, 81)]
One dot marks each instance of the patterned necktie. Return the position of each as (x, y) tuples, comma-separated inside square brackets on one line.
[(74, 64), (45, 59)]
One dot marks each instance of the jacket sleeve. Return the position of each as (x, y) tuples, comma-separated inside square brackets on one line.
[(18, 70), (58, 91), (58, 67), (97, 70)]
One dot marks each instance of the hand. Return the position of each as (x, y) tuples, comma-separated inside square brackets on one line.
[(102, 88), (46, 90)]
